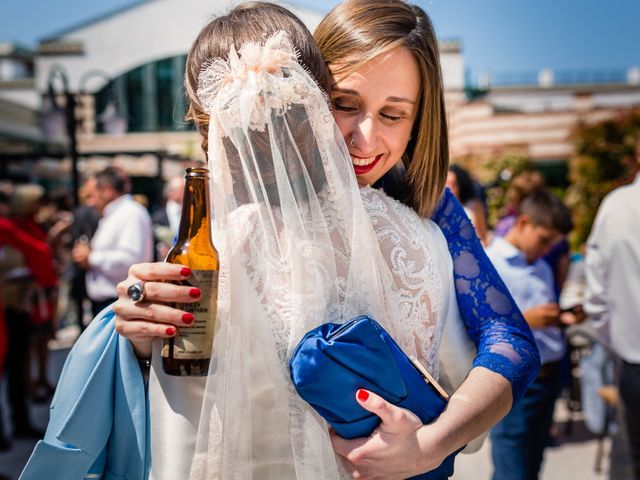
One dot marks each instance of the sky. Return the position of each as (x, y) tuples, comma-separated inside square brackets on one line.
[(507, 36)]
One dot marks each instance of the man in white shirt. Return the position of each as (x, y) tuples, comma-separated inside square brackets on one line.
[(612, 296), (124, 237)]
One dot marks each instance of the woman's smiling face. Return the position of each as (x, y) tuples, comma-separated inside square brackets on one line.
[(375, 108)]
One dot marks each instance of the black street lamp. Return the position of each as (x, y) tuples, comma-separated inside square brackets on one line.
[(57, 120), (113, 122), (55, 116)]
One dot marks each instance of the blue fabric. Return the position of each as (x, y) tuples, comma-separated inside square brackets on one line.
[(333, 361), (530, 285), (519, 439), (98, 416), (494, 323)]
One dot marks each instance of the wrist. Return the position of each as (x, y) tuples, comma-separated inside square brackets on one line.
[(141, 348), (435, 446)]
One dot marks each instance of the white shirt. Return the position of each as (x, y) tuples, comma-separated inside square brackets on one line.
[(174, 210), (613, 270), (123, 237), (530, 284)]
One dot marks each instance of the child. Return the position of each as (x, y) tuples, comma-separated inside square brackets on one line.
[(518, 441)]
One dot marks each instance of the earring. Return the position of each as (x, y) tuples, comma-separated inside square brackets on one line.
[(352, 142)]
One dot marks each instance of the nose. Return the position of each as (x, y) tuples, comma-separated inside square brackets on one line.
[(365, 135)]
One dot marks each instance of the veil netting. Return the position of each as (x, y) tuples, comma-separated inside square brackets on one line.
[(298, 248)]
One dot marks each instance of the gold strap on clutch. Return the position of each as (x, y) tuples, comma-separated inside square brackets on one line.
[(428, 377)]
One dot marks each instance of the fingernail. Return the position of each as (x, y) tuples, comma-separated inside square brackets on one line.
[(185, 272), (187, 318), (194, 292), (170, 331), (362, 395)]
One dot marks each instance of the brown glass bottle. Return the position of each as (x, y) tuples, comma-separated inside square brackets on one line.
[(188, 353)]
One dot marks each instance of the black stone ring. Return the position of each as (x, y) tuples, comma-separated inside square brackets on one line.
[(136, 292)]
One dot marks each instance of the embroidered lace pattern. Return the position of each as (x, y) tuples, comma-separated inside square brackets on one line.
[(503, 338)]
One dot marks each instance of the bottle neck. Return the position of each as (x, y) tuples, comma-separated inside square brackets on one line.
[(195, 219)]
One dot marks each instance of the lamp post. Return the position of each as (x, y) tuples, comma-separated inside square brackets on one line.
[(113, 122), (55, 115), (58, 120)]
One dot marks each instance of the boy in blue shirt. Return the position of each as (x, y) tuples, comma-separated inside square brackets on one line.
[(518, 441)]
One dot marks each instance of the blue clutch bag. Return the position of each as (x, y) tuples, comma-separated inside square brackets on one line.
[(333, 361)]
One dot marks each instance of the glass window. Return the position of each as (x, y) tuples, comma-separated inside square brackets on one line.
[(153, 97)]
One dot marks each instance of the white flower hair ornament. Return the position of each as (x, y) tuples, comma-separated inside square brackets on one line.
[(242, 90)]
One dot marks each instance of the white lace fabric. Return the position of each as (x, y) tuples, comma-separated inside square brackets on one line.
[(300, 245)]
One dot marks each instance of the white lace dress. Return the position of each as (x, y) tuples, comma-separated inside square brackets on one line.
[(422, 269)]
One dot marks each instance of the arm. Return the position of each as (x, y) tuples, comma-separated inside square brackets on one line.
[(597, 275), (402, 446), (494, 323), (37, 254)]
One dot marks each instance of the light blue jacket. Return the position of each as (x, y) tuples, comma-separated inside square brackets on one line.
[(98, 426)]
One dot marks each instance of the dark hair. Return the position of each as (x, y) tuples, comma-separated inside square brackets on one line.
[(546, 210), (466, 189), (115, 178), (248, 22), (357, 31)]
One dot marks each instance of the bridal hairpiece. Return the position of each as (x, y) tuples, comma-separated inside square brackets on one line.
[(268, 74)]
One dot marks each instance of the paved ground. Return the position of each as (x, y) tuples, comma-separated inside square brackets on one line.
[(572, 459)]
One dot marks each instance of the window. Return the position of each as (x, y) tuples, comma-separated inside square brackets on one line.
[(151, 96)]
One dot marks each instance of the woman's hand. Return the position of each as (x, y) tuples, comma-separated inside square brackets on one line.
[(397, 449), (143, 321)]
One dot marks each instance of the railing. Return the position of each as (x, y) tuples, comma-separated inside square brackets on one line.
[(558, 78)]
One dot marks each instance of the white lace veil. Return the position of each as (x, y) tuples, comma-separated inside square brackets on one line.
[(297, 250)]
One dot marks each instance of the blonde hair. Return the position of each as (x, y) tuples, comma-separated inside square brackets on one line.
[(248, 22), (357, 31)]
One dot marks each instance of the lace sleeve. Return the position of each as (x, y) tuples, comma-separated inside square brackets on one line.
[(494, 323)]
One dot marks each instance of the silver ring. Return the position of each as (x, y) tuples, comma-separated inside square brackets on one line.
[(352, 142), (136, 292)]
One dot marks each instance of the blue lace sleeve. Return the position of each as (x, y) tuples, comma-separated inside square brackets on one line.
[(494, 323)]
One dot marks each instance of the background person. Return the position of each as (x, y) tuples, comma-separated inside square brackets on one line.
[(166, 220), (518, 440), (23, 259), (462, 185), (123, 237), (612, 268)]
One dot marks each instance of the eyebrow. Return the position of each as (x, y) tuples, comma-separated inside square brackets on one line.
[(389, 99)]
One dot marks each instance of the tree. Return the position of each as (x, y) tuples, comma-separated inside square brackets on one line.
[(604, 159)]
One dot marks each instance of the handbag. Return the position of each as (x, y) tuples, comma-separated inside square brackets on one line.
[(333, 361)]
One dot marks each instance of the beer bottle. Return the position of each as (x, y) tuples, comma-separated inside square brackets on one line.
[(188, 353)]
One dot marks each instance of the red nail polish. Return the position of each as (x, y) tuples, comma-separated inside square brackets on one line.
[(362, 395), (187, 318), (194, 292), (170, 331), (185, 272)]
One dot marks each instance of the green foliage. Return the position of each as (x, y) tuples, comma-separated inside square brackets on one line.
[(604, 160), (496, 173)]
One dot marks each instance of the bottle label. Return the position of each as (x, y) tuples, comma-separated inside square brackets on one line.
[(195, 341)]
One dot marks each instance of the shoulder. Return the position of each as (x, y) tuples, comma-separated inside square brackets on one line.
[(622, 197), (130, 207)]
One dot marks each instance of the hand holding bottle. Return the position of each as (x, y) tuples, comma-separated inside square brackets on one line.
[(154, 317)]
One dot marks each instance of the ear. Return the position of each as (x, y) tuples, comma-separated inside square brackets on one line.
[(522, 220)]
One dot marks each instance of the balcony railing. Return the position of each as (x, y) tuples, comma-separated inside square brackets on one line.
[(548, 78)]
